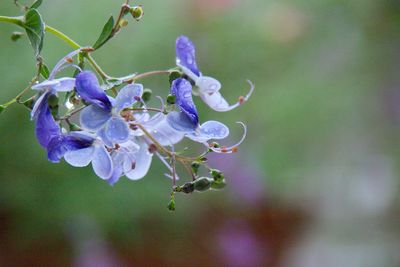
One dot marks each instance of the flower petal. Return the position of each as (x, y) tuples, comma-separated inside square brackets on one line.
[(62, 144), (102, 134), (180, 122), (127, 96), (89, 89), (93, 117), (186, 54), (46, 84), (165, 134), (80, 157), (208, 85), (40, 102), (210, 130), (182, 89), (102, 163), (218, 103), (46, 127), (143, 163), (64, 84), (117, 130)]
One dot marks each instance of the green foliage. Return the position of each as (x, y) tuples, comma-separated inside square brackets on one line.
[(2, 108), (106, 33), (36, 4), (44, 71), (35, 28)]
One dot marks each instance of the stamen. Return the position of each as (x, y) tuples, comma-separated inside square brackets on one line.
[(232, 149)]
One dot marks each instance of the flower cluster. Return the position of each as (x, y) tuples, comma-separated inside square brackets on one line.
[(109, 124)]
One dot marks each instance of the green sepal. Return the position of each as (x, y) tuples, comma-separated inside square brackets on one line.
[(44, 71), (218, 185)]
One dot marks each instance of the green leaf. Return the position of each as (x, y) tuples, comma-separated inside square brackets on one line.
[(105, 33), (36, 4), (2, 108), (34, 27), (44, 71)]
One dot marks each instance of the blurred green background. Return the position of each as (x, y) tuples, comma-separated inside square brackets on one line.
[(315, 183)]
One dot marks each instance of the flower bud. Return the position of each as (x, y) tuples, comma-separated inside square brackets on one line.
[(174, 75), (202, 184), (171, 205), (123, 23), (136, 12), (195, 166), (171, 99), (188, 188), (15, 36), (146, 96)]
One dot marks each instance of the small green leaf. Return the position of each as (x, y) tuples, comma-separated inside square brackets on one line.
[(36, 4), (34, 27), (2, 108), (44, 71), (105, 33)]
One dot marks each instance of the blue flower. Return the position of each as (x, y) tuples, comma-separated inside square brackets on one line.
[(49, 135), (95, 153), (102, 116), (52, 86), (208, 87), (187, 120), (131, 159)]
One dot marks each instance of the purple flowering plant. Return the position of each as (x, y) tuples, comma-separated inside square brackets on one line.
[(108, 122)]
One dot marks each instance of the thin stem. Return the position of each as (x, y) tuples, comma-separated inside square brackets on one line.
[(63, 37), (14, 20), (146, 74), (69, 115)]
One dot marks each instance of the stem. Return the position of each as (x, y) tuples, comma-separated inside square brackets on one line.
[(69, 115), (14, 20), (147, 74), (146, 109), (62, 36)]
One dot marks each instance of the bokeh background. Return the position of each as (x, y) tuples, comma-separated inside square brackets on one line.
[(316, 183)]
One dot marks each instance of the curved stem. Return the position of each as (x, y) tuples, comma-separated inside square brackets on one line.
[(146, 74), (62, 36)]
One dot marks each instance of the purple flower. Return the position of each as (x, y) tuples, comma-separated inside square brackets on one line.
[(103, 115), (208, 86)]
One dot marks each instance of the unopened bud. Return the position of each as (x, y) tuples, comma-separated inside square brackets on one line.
[(146, 96), (187, 188), (171, 205), (123, 23), (202, 184), (15, 36), (136, 12), (195, 166), (171, 99), (174, 75)]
